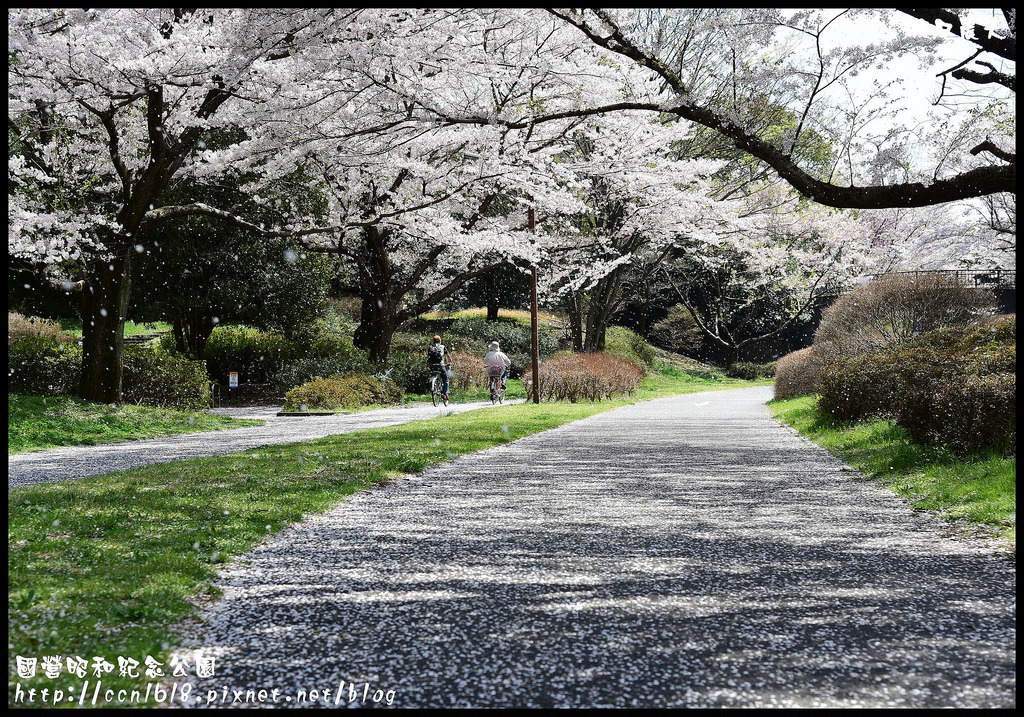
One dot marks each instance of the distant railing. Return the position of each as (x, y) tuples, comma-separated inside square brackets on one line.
[(990, 278)]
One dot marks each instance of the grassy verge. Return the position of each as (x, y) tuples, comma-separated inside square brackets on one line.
[(978, 494), (109, 566), (35, 423)]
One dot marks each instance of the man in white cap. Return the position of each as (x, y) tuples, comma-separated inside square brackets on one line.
[(497, 363)]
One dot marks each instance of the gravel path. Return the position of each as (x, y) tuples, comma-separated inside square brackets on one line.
[(682, 552), (62, 464)]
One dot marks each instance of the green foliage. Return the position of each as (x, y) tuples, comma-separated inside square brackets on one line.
[(43, 366), (623, 342), (751, 371), (408, 369), (953, 387), (152, 378), (473, 335), (257, 356), (38, 366), (352, 390)]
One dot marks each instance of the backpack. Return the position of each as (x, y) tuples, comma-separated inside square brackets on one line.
[(435, 354)]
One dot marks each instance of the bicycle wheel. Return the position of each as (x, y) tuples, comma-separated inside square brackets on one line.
[(435, 396), (494, 392), (501, 395)]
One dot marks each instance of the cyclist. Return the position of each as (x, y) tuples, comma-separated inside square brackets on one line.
[(439, 360), (497, 362)]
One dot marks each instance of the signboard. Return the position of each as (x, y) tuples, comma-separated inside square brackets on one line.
[(233, 379)]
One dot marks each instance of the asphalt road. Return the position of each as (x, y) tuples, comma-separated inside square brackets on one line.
[(685, 552)]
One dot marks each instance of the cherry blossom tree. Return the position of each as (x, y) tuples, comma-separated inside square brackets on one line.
[(734, 70), (106, 108), (764, 272)]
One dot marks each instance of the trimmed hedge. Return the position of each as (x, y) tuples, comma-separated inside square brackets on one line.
[(954, 387), (349, 391), (38, 366), (153, 378), (43, 366), (798, 374)]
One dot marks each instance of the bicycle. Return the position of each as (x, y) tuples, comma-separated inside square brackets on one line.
[(497, 389), (435, 389)]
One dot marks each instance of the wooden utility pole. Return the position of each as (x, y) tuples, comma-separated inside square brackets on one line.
[(534, 336)]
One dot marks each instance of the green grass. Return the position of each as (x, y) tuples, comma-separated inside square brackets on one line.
[(74, 327), (978, 494), (110, 565), (35, 423)]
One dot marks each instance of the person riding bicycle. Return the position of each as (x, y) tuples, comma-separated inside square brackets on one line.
[(497, 362), (439, 360)]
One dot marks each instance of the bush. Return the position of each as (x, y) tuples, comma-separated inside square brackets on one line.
[(43, 366), (257, 356), (953, 387), (966, 414), (895, 308), (574, 377), (324, 358), (797, 374), (153, 378), (751, 371), (19, 326), (620, 341), (470, 371), (349, 391)]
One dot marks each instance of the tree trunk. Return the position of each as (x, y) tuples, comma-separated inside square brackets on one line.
[(104, 305), (191, 332), (574, 305), (377, 324), (493, 304)]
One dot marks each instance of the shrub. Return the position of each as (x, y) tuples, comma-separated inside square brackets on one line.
[(408, 369), (324, 358), (574, 377), (895, 308), (953, 387), (469, 371), (43, 366), (349, 391), (257, 356), (751, 371), (620, 341), (19, 326), (797, 374), (966, 414), (153, 378)]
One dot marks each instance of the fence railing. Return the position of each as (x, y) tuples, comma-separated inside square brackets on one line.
[(990, 278)]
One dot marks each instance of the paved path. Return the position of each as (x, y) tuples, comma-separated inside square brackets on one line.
[(681, 552), (62, 464)]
